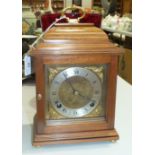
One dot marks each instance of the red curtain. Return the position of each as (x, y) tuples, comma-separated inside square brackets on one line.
[(48, 19)]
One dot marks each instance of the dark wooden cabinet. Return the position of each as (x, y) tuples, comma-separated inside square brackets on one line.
[(32, 2), (77, 2), (127, 6), (125, 65), (124, 6), (119, 6), (97, 3), (57, 5)]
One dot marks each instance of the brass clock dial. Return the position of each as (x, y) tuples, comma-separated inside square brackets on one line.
[(75, 92)]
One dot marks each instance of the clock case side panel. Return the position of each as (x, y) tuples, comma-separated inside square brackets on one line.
[(111, 91), (95, 130), (40, 95)]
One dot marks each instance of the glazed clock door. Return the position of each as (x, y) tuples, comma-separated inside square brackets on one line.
[(75, 101), (75, 91)]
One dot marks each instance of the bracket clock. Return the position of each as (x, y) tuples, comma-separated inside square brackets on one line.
[(76, 69)]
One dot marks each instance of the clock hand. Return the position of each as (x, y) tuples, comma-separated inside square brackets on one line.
[(85, 97), (71, 85), (75, 92), (68, 81)]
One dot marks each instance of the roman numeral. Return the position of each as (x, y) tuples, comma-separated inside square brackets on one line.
[(76, 72), (96, 92), (65, 75), (94, 82), (54, 93), (56, 82), (86, 75)]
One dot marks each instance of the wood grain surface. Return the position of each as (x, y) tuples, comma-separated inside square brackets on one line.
[(81, 44)]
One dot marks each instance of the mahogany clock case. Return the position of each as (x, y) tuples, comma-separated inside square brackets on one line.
[(80, 45)]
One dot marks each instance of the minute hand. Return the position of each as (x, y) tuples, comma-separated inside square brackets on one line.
[(71, 85), (68, 81), (85, 97)]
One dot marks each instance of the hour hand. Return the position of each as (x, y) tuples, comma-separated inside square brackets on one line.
[(84, 97)]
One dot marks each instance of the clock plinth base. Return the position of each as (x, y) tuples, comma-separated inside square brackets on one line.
[(71, 138)]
